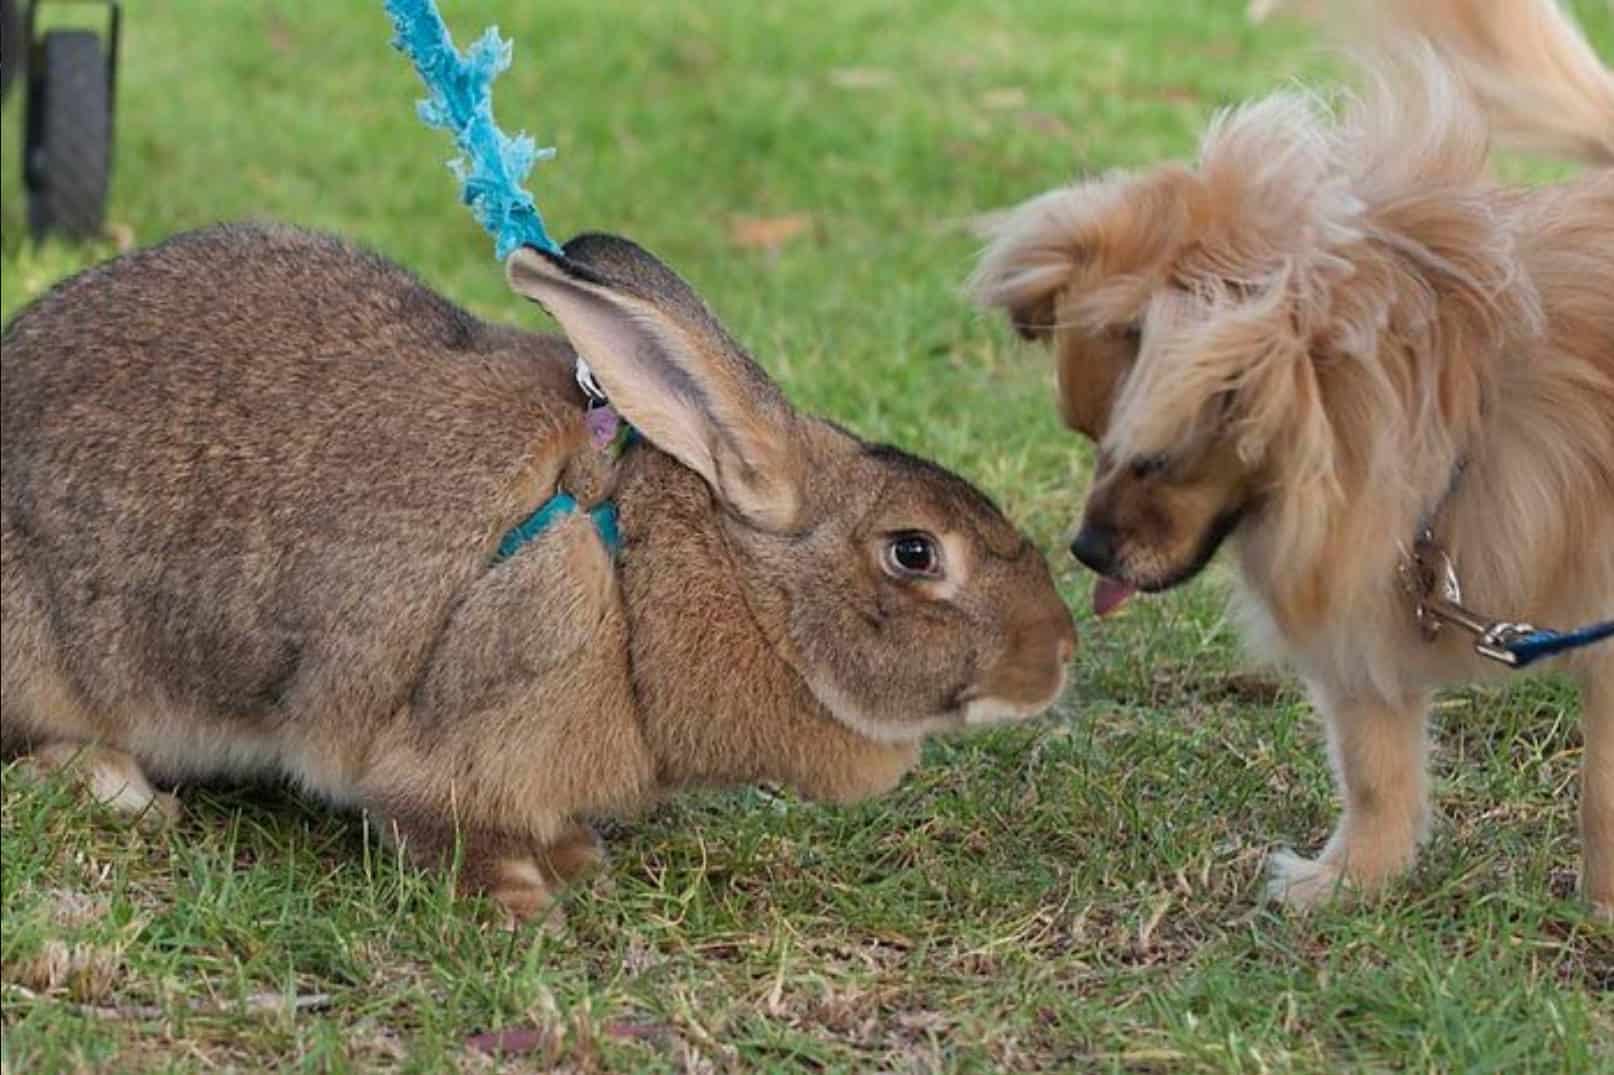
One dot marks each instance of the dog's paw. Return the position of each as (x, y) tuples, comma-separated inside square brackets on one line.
[(1300, 883)]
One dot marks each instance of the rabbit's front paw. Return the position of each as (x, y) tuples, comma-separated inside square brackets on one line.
[(869, 770), (491, 863), (525, 885)]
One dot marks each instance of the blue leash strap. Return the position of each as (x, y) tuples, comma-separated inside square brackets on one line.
[(1529, 648), (493, 164), (1516, 645)]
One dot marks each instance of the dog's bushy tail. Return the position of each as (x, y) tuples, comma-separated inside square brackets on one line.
[(1526, 62)]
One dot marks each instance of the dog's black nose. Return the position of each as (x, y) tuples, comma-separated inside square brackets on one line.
[(1095, 548)]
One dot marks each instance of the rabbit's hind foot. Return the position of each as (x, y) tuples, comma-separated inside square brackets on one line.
[(114, 778), (574, 854)]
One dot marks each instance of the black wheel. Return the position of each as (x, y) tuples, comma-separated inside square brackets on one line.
[(11, 49), (69, 135)]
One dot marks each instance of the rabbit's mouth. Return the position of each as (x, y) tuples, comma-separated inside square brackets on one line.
[(978, 708), (980, 711)]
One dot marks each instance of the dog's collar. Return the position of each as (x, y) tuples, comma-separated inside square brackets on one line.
[(1431, 515)]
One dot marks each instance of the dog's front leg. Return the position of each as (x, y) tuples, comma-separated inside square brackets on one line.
[(1597, 787), (1379, 752)]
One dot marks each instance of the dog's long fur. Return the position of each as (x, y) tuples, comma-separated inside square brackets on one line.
[(1330, 331)]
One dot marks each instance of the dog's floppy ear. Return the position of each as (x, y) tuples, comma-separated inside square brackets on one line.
[(1031, 254), (1118, 230), (673, 371)]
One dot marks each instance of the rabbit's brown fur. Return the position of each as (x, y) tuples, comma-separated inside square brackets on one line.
[(253, 481)]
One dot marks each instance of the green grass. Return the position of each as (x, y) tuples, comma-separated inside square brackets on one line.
[(1078, 894)]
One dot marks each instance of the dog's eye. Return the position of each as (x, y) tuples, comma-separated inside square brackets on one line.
[(1147, 466), (1132, 333), (910, 554)]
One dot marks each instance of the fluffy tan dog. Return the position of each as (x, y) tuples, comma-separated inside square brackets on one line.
[(1325, 336)]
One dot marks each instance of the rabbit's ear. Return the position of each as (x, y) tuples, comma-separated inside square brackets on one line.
[(673, 371)]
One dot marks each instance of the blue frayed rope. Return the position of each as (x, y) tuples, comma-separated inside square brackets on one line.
[(490, 169), (493, 165)]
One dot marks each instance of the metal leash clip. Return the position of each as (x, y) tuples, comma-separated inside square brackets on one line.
[(591, 388), (1432, 579), (1493, 638)]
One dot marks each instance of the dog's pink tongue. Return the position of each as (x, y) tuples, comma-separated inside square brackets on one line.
[(1110, 594)]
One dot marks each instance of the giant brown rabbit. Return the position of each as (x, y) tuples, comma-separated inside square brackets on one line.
[(254, 489)]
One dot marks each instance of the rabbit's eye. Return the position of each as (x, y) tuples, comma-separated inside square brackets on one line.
[(912, 554)]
